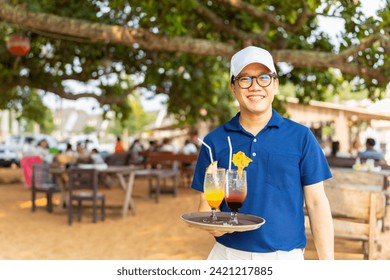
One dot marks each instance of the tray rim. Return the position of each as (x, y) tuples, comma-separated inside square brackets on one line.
[(223, 227)]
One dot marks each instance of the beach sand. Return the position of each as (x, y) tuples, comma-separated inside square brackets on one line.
[(156, 232)]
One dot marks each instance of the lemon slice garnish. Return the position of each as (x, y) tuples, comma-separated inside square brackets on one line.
[(212, 168), (241, 161)]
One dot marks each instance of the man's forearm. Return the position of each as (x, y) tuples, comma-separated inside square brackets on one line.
[(321, 224)]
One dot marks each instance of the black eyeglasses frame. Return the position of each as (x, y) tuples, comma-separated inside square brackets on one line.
[(272, 75)]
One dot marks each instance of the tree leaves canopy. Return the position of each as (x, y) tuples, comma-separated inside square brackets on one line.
[(182, 49)]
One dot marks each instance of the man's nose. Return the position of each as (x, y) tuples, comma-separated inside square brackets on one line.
[(255, 85)]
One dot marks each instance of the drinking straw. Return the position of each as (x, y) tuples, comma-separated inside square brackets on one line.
[(211, 155), (230, 153)]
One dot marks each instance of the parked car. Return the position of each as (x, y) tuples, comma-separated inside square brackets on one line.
[(8, 156), (26, 143), (20, 140)]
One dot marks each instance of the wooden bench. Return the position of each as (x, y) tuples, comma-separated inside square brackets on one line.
[(362, 179), (357, 216), (118, 159), (187, 163)]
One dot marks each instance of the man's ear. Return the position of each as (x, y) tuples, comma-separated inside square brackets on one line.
[(233, 89), (276, 83)]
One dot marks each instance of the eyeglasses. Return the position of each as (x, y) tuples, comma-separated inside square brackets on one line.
[(263, 80)]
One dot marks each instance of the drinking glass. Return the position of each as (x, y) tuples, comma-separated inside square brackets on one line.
[(235, 193), (214, 185)]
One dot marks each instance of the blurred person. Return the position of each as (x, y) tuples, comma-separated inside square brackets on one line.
[(42, 150), (189, 148), (82, 154), (118, 146), (70, 153), (29, 148), (370, 152), (153, 146), (87, 145), (136, 150), (336, 152), (80, 148), (96, 157), (355, 147), (167, 146), (68, 157)]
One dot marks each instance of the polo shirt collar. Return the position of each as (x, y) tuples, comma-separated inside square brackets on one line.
[(234, 124)]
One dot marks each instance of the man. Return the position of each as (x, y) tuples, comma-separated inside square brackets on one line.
[(288, 168), (370, 152)]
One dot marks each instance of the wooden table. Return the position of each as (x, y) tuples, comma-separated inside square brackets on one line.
[(119, 171), (127, 186)]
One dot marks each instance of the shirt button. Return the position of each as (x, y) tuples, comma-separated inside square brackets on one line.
[(254, 154), (255, 140)]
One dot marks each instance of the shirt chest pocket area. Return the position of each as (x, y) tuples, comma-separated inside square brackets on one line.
[(282, 170)]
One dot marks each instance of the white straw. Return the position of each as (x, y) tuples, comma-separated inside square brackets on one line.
[(230, 153), (211, 155)]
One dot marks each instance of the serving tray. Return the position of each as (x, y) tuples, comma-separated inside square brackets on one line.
[(246, 222)]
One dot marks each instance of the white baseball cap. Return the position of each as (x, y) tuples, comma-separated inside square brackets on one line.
[(250, 55)]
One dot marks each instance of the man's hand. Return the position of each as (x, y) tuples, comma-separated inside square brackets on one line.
[(215, 233), (204, 207), (218, 233)]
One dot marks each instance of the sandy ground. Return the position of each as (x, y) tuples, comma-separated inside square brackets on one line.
[(155, 232)]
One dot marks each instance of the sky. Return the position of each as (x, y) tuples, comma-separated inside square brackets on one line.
[(334, 26), (330, 25)]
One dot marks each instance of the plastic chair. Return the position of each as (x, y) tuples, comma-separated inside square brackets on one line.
[(43, 182), (83, 186)]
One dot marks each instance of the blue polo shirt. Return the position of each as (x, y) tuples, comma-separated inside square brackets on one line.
[(285, 158)]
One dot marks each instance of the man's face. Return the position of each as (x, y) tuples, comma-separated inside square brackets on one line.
[(255, 99)]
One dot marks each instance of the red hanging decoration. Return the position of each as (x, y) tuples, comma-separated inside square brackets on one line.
[(18, 45)]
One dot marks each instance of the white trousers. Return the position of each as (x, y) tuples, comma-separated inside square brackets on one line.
[(221, 252)]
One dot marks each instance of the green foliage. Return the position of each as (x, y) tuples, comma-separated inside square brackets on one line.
[(135, 123), (89, 129), (193, 84), (197, 86), (31, 108)]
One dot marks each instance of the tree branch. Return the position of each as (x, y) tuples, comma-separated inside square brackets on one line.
[(114, 34), (59, 90), (96, 32), (323, 60), (365, 43), (248, 39), (269, 16)]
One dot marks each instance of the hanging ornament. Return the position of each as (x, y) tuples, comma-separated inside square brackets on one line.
[(18, 45)]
